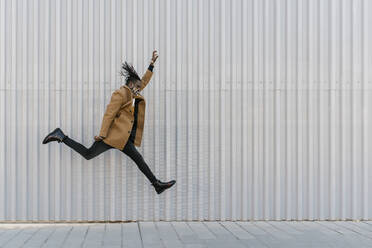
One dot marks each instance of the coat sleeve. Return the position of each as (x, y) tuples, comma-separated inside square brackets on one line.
[(112, 108), (146, 78)]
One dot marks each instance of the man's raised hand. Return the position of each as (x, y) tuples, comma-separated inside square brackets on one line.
[(154, 57)]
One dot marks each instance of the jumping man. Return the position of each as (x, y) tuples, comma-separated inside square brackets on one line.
[(122, 124)]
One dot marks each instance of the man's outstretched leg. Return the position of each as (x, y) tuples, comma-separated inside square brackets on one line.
[(131, 151), (97, 147)]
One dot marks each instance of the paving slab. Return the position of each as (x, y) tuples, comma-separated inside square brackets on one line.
[(190, 234)]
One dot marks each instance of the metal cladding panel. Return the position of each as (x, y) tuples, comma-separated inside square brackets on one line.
[(260, 109)]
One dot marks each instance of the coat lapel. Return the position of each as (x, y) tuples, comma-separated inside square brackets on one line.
[(139, 96)]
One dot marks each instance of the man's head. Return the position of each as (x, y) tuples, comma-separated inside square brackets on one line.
[(132, 80)]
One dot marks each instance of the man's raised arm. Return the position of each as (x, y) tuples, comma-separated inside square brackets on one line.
[(148, 74)]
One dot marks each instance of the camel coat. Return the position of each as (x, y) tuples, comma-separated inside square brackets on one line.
[(118, 119)]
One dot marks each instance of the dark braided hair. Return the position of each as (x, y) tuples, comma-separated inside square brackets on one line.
[(129, 73)]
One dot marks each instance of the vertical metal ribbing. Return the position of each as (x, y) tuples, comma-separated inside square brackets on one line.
[(277, 83), (353, 134), (265, 112), (139, 65), (342, 81), (205, 96), (255, 115), (3, 108), (134, 43), (356, 110), (309, 117), (332, 134), (261, 111), (365, 100), (298, 79), (322, 131), (87, 168), (57, 123), (230, 117), (242, 92), (12, 206), (145, 49), (290, 142), (81, 82), (93, 125), (47, 111), (287, 113), (157, 42), (211, 86), (202, 101), (223, 112), (113, 86), (168, 117), (123, 45), (23, 166), (189, 140), (178, 101), (194, 106), (77, 76), (318, 194), (67, 111)]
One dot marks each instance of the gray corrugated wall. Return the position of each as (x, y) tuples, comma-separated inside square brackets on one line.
[(259, 109)]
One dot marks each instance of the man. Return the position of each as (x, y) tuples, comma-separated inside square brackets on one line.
[(122, 124)]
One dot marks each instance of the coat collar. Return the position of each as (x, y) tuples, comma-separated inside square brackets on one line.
[(139, 96)]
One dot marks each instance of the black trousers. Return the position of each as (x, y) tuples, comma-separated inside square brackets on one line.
[(99, 147)]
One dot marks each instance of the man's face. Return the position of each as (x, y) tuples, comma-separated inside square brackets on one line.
[(135, 86)]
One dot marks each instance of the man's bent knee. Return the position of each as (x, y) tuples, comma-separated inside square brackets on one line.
[(88, 156)]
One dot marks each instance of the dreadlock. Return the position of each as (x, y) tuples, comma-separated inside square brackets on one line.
[(129, 73)]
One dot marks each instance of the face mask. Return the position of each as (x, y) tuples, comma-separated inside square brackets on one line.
[(135, 90)]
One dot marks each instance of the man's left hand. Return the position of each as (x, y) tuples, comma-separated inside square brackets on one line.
[(154, 57)]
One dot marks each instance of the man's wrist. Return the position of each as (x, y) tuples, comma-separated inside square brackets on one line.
[(151, 66)]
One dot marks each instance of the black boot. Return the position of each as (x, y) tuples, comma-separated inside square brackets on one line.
[(161, 186), (56, 135)]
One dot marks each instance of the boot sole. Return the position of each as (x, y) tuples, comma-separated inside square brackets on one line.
[(165, 189)]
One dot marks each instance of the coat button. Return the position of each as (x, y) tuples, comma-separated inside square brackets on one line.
[(128, 131), (131, 121)]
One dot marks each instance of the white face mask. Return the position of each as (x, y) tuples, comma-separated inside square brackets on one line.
[(135, 90)]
